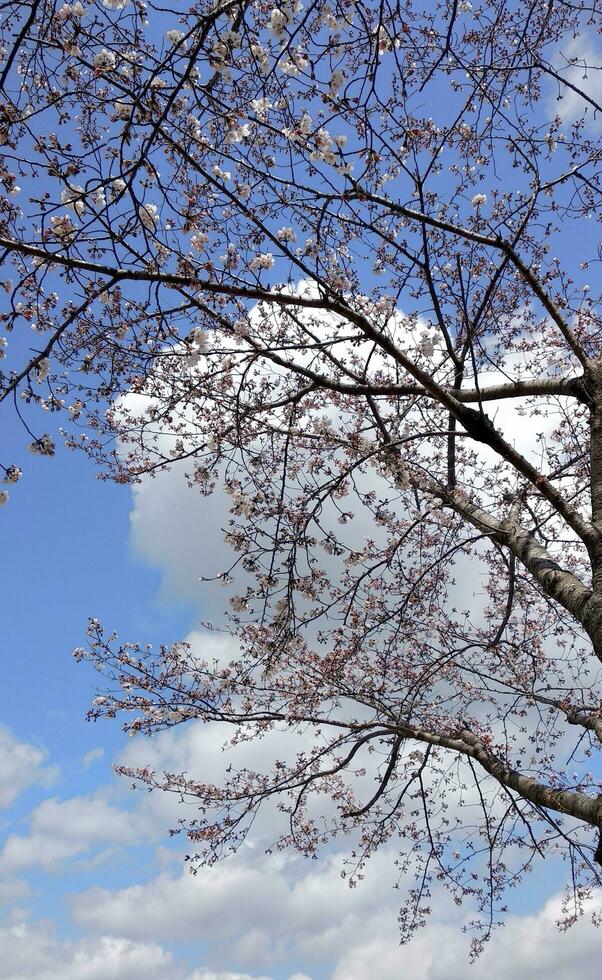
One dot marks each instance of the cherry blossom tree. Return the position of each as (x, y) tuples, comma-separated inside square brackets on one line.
[(332, 259)]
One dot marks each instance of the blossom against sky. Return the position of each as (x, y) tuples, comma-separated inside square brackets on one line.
[(91, 885)]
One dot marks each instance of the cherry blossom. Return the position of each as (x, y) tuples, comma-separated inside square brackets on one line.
[(104, 60), (174, 36), (286, 235), (62, 227), (12, 474), (73, 197), (265, 260), (44, 446), (278, 21), (337, 264), (149, 216)]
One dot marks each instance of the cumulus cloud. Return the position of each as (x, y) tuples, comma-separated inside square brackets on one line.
[(33, 951), (269, 910), (580, 63), (528, 948), (63, 829), (21, 765), (12, 890), (92, 756), (179, 532), (228, 975), (260, 908)]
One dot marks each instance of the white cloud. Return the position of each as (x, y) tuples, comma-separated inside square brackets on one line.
[(260, 908), (34, 952), (21, 766), (12, 890), (228, 975), (580, 63), (176, 530), (528, 948), (92, 756), (63, 829), (266, 910)]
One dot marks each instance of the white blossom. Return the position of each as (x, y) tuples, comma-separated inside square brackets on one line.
[(12, 475), (465, 6), (198, 337), (62, 227), (41, 370), (305, 123), (278, 21), (115, 4), (224, 175), (220, 54), (73, 197), (3, 497), (44, 446), (289, 67), (264, 260), (117, 187), (322, 138), (198, 341), (238, 133), (479, 199), (174, 36), (199, 240), (296, 62), (123, 110), (426, 345), (75, 11), (193, 124), (104, 60), (286, 235), (262, 56), (260, 108), (337, 80), (149, 216)]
